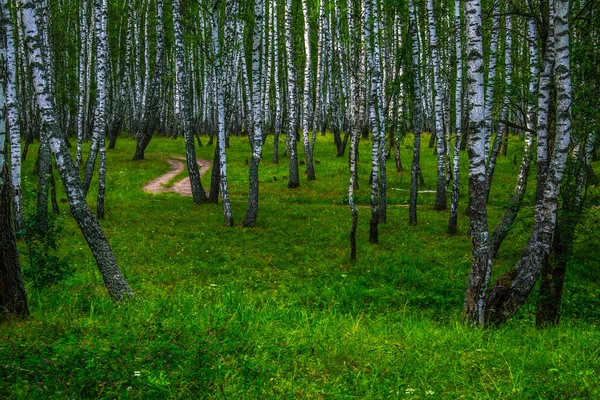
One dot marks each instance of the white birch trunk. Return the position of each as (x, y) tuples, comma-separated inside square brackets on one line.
[(453, 223), (218, 76), (257, 99), (417, 112), (512, 289), (294, 179), (307, 98), (105, 259), (481, 261), (440, 200)]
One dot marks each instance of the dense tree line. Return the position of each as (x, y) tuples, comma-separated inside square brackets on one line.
[(467, 71)]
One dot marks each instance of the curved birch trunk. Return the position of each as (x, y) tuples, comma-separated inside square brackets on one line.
[(512, 289), (504, 226), (107, 264)]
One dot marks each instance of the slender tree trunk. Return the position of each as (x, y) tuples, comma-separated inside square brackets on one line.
[(294, 178), (12, 117), (198, 193), (257, 97), (504, 226), (453, 222), (218, 73), (415, 168), (440, 199)]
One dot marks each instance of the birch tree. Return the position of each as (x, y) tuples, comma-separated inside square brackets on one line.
[(257, 114), (415, 168), (105, 259), (294, 177), (453, 222), (218, 77), (481, 262), (307, 104), (13, 299), (198, 193), (512, 289), (440, 199)]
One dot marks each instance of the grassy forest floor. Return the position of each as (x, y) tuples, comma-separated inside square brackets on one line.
[(279, 311)]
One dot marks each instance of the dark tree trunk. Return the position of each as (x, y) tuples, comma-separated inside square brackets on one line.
[(215, 182), (13, 299)]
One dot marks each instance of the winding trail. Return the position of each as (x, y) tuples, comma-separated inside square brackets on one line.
[(181, 187)]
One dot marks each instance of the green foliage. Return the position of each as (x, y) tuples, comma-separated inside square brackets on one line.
[(45, 266)]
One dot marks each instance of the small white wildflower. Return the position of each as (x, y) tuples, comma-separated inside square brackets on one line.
[(137, 373), (129, 388)]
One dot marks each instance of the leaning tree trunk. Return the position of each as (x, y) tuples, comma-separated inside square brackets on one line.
[(504, 226), (185, 109), (152, 98), (481, 262), (512, 289), (107, 264)]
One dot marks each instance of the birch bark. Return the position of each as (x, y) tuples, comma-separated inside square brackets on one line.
[(481, 262), (107, 264)]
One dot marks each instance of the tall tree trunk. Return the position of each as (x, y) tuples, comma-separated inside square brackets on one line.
[(107, 264), (257, 114), (13, 299), (481, 261), (218, 76), (415, 168), (440, 199), (294, 177), (453, 222), (307, 99), (198, 193)]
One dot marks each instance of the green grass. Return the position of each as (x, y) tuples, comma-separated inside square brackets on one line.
[(279, 311)]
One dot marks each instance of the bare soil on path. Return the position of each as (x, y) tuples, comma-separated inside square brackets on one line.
[(182, 187)]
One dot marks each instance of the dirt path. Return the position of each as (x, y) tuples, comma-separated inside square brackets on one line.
[(182, 187)]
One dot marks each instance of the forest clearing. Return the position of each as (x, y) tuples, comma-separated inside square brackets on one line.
[(299, 199)]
